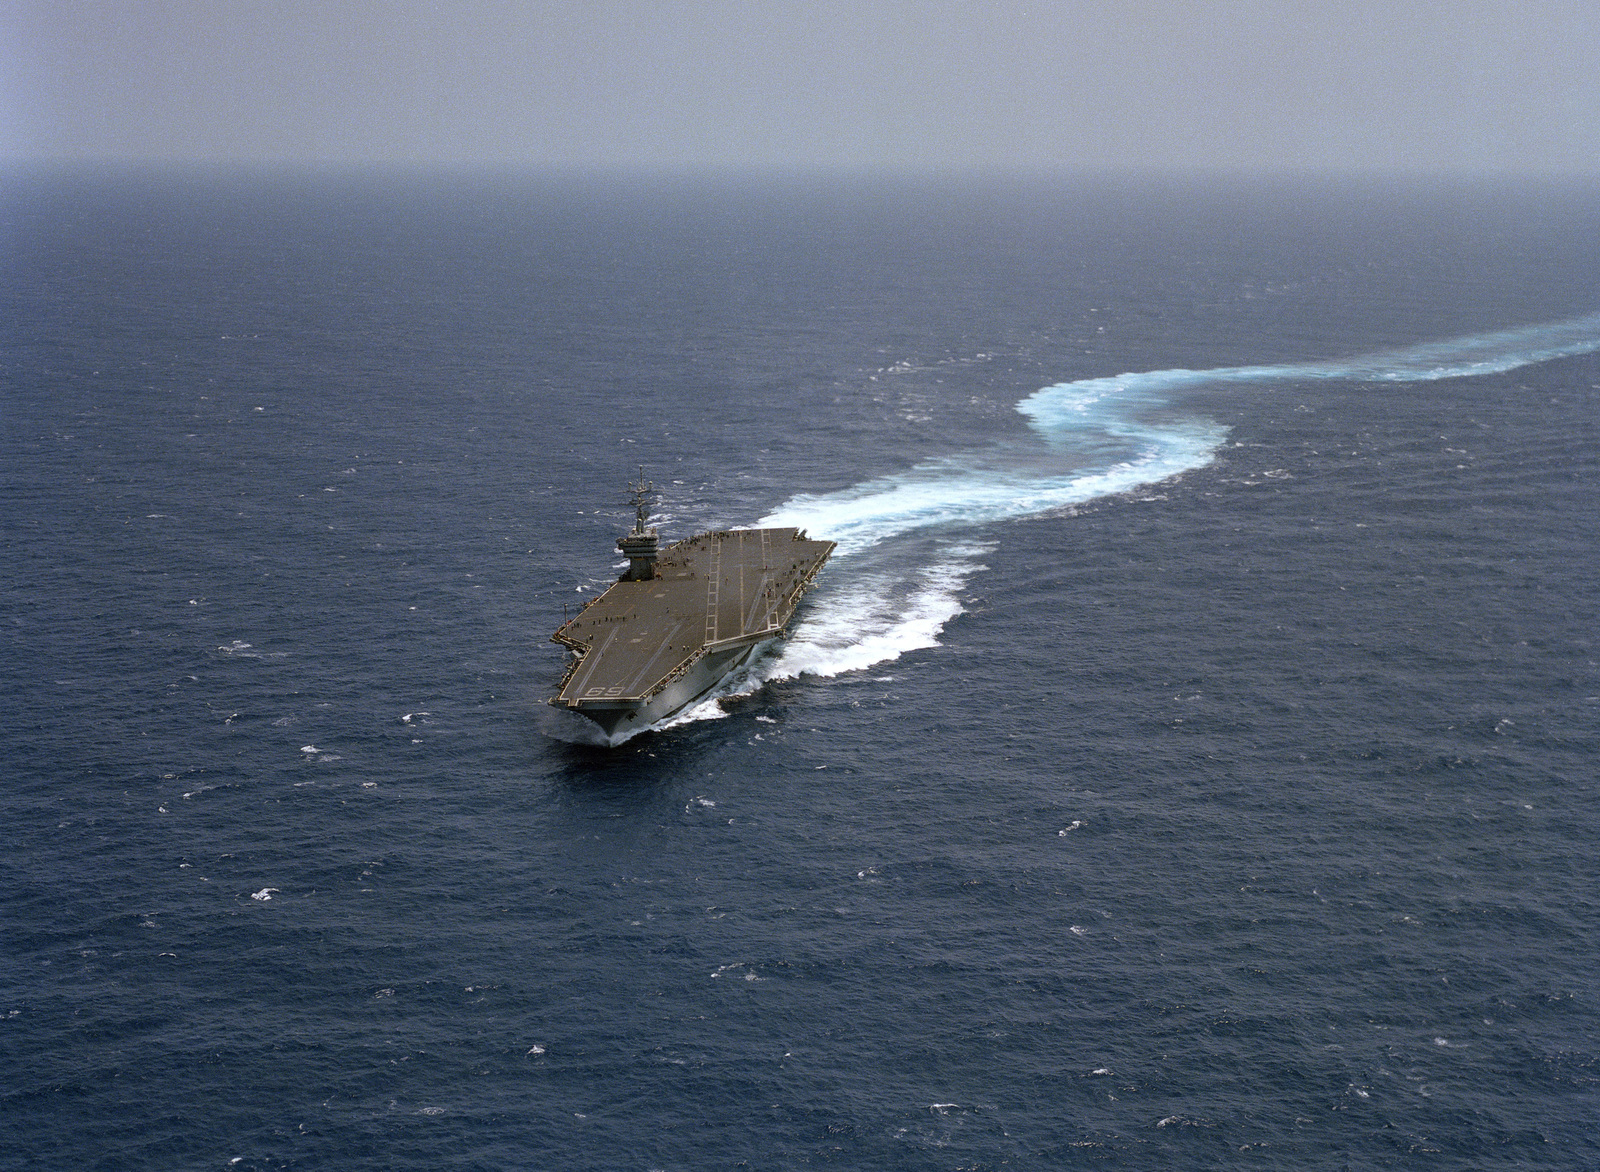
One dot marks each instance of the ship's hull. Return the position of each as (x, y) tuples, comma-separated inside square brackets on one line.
[(680, 622), (690, 688)]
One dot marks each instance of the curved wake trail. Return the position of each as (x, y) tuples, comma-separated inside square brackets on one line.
[(912, 540), (1126, 427), (1092, 438)]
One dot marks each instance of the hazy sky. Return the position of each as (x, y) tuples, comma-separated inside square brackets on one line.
[(1476, 85)]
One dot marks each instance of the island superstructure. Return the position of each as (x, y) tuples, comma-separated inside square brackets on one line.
[(681, 619)]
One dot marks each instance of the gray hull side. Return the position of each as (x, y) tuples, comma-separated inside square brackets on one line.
[(705, 675)]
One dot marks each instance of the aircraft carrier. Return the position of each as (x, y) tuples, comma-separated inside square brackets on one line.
[(681, 619)]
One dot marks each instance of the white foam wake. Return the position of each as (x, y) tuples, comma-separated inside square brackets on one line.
[(1100, 437), (1005, 482), (1098, 401), (853, 622)]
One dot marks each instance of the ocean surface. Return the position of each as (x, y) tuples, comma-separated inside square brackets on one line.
[(1187, 761)]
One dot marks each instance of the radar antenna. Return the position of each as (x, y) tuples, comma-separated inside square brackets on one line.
[(640, 546), (643, 492)]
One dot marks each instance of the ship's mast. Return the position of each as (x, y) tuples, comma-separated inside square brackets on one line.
[(642, 491), (640, 546)]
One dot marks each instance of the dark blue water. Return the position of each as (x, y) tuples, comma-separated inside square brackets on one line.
[(1188, 760)]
